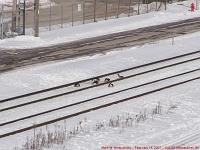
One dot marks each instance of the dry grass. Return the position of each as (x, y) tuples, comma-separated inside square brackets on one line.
[(60, 134)]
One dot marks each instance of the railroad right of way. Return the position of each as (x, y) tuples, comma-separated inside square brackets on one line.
[(39, 109)]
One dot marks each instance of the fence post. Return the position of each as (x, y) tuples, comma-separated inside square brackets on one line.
[(72, 14), (36, 18), (50, 15), (106, 9), (156, 5), (14, 15), (18, 17), (173, 40), (138, 7), (83, 11), (95, 10), (129, 8), (118, 5), (2, 21), (147, 6), (61, 16), (24, 18)]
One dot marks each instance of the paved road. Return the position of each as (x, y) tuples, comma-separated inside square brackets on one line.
[(10, 59)]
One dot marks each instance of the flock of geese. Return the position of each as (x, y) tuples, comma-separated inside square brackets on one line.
[(97, 81)]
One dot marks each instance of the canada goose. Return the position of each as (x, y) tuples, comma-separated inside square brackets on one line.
[(95, 81), (76, 84), (110, 84), (107, 80), (120, 76)]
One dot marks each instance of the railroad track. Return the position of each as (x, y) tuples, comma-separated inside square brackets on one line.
[(66, 89), (10, 59), (136, 82), (192, 138)]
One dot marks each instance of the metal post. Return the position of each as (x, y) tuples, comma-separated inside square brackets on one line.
[(72, 14), (138, 7), (2, 21), (19, 16), (106, 9), (14, 15), (83, 11), (173, 40), (61, 15), (197, 4), (36, 18), (129, 8), (24, 18), (95, 10), (118, 8), (50, 16), (147, 6), (156, 5), (165, 4)]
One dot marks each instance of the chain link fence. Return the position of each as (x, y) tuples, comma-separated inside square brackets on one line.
[(86, 11), (64, 13)]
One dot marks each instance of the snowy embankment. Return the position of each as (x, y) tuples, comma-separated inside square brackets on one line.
[(174, 12), (179, 105)]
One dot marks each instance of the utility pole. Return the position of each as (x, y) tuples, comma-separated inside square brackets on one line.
[(118, 9), (18, 16), (106, 7), (95, 2), (36, 18), (129, 8), (14, 15), (83, 11)]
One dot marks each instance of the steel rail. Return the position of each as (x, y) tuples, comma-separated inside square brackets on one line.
[(98, 97), (96, 108), (100, 76), (89, 87), (183, 140)]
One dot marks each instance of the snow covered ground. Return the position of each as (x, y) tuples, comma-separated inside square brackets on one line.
[(56, 73), (155, 131), (182, 120), (175, 12), (179, 115), (172, 124)]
